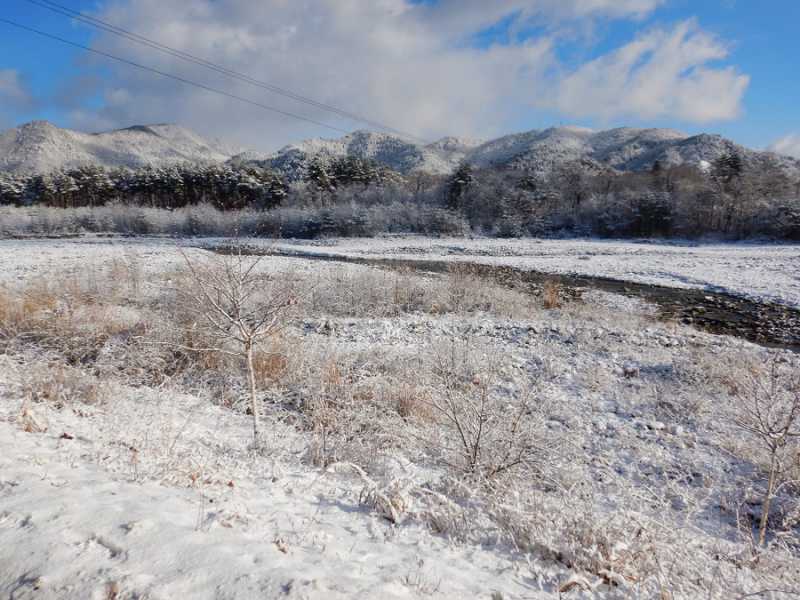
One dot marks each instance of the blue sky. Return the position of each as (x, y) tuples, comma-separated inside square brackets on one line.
[(52, 81)]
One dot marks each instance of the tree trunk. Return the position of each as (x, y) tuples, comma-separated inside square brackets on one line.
[(762, 530), (251, 376)]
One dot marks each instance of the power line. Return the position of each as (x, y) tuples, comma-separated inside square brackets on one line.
[(171, 76), (141, 40)]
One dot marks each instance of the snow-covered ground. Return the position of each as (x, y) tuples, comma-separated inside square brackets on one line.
[(758, 271), (152, 492), (160, 499), (763, 272)]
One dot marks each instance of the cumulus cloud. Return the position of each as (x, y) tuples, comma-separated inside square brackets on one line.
[(13, 92), (663, 73), (789, 145), (400, 62), (14, 97), (462, 17)]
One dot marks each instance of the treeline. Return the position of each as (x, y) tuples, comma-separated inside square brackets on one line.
[(225, 187), (729, 199), (222, 186)]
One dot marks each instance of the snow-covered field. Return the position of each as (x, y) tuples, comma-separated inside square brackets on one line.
[(113, 486), (160, 499), (763, 272)]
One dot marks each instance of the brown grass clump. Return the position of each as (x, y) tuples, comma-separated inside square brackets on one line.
[(7, 308), (59, 385), (38, 298), (331, 376), (410, 401), (18, 308), (269, 366), (551, 295)]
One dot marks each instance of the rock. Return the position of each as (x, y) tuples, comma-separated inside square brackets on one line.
[(678, 503), (630, 370), (677, 430)]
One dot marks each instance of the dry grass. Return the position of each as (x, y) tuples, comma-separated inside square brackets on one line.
[(410, 400), (349, 291), (532, 475), (270, 366), (551, 295), (59, 385)]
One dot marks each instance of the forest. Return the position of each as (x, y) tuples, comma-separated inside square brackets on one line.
[(730, 199)]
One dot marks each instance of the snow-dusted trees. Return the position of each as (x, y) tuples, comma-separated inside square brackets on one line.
[(458, 185), (171, 187), (732, 198), (330, 175), (10, 189)]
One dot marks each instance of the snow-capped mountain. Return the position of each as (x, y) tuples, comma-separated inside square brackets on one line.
[(622, 149), (40, 147), (398, 154)]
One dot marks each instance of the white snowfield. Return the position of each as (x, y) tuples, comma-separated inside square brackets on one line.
[(153, 494), (759, 271), (85, 518), (767, 272)]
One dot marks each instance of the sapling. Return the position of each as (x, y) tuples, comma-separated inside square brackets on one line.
[(236, 307), (769, 410)]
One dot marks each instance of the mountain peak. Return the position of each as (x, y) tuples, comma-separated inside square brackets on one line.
[(619, 149), (40, 147)]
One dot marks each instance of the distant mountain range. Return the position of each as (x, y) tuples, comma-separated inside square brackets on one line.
[(40, 147)]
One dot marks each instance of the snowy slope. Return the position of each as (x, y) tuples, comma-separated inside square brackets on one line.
[(40, 147), (152, 492), (403, 156), (622, 149)]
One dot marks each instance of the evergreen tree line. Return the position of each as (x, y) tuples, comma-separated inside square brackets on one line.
[(222, 186), (348, 197)]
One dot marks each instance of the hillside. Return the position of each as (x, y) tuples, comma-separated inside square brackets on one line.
[(438, 158), (622, 149), (41, 147)]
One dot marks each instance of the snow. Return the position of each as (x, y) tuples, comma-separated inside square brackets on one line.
[(623, 149), (766, 272), (154, 493), (399, 154), (40, 147), (81, 516)]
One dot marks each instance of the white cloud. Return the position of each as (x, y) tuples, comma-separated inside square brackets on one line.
[(789, 145), (395, 61), (662, 73), (460, 17), (13, 93), (14, 97)]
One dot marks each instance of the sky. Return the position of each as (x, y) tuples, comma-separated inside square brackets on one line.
[(429, 68)]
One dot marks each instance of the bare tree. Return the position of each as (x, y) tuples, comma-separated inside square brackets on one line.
[(236, 307), (482, 435), (769, 410)]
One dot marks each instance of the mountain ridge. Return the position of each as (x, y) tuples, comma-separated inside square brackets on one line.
[(40, 147)]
